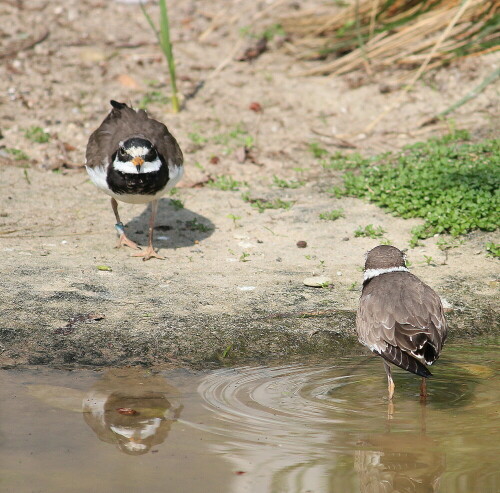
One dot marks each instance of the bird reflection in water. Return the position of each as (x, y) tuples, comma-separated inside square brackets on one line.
[(399, 462), (132, 408)]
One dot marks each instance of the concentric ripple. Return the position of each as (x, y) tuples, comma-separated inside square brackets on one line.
[(306, 420)]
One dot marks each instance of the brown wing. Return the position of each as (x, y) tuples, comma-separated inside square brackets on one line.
[(124, 122), (402, 319)]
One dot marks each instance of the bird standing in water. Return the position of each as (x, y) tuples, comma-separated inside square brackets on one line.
[(399, 317), (134, 159)]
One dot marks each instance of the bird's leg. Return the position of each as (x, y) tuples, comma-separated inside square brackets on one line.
[(122, 238), (150, 252), (423, 388), (390, 382)]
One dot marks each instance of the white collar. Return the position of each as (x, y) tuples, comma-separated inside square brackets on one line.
[(370, 273)]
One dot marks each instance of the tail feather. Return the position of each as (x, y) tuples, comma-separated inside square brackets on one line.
[(399, 358), (117, 105)]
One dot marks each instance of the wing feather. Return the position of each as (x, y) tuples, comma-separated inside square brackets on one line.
[(399, 311)]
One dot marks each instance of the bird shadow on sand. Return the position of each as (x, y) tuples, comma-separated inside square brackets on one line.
[(175, 226)]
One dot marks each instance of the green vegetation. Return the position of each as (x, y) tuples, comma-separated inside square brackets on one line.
[(493, 249), (194, 225), (225, 182), (369, 231), (36, 134), (234, 219), (428, 259), (17, 154), (238, 136), (338, 160), (163, 36), (332, 215), (177, 204), (244, 257), (454, 186), (317, 151), (269, 33), (287, 183), (152, 97), (261, 205), (343, 161), (197, 138)]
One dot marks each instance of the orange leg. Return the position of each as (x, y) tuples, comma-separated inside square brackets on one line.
[(423, 388), (390, 381)]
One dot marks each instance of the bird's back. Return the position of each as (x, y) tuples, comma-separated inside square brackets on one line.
[(402, 319)]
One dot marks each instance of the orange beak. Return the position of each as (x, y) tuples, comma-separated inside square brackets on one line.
[(138, 162)]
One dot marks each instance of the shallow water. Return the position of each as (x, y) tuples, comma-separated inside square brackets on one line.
[(310, 427)]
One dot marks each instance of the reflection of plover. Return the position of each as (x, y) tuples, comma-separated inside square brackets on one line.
[(399, 317), (134, 159)]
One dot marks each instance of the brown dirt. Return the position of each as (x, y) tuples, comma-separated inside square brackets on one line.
[(208, 301)]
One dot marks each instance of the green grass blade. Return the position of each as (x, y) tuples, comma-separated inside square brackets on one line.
[(166, 46)]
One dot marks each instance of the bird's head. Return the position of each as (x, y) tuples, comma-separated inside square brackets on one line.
[(136, 155), (385, 257)]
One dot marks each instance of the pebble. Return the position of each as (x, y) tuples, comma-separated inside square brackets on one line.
[(302, 244), (317, 281)]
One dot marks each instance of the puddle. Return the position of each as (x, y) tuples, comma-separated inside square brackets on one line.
[(286, 429)]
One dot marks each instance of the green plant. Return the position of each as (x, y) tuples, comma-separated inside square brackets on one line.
[(177, 204), (286, 183), (17, 154), (493, 249), (332, 215), (454, 186), (225, 182), (317, 151), (414, 242), (197, 139), (163, 36), (152, 97), (369, 231), (343, 161), (194, 225), (234, 218), (261, 205), (428, 259), (234, 138), (353, 286), (36, 134), (336, 191), (244, 257)]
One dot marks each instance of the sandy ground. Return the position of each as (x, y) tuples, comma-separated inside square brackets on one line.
[(231, 289)]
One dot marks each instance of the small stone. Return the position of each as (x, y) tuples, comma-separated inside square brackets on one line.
[(345, 238), (301, 244), (317, 281)]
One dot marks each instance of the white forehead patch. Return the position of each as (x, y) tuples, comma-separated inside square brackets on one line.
[(137, 151)]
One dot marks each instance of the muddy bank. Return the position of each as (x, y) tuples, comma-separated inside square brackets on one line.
[(230, 292)]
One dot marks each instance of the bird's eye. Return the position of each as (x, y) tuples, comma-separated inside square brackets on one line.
[(121, 153), (151, 155)]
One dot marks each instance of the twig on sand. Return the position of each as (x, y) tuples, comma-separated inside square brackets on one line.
[(24, 44)]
